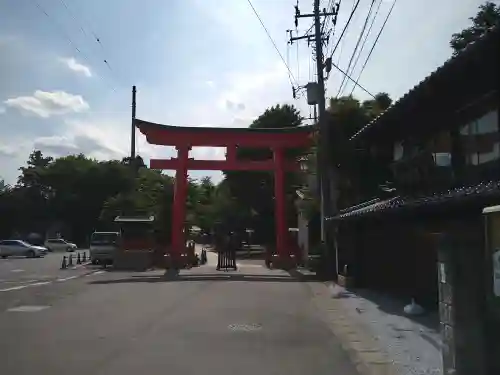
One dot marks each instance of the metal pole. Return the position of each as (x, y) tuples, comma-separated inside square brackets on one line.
[(322, 124), (132, 138), (322, 167)]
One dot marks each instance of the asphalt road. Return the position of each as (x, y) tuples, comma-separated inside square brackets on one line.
[(251, 321), (15, 271)]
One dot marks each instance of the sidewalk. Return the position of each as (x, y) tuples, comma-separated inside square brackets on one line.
[(376, 334), (211, 256)]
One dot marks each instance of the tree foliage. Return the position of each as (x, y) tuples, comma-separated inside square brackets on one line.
[(487, 16), (74, 195), (358, 172), (252, 193)]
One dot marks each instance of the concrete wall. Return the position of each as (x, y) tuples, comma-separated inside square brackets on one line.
[(471, 339)]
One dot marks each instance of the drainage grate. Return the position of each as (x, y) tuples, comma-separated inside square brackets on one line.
[(242, 327)]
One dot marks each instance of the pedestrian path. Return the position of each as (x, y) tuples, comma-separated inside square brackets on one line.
[(377, 334), (241, 263)]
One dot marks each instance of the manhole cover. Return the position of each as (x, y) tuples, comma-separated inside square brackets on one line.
[(245, 327)]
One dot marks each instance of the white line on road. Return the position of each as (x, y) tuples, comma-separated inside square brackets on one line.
[(25, 286), (40, 283), (17, 270), (13, 288), (250, 265), (67, 278), (28, 308)]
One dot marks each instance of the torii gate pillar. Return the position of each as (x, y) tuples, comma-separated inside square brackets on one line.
[(179, 206), (280, 206)]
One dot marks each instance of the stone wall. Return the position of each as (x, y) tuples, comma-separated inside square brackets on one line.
[(470, 325)]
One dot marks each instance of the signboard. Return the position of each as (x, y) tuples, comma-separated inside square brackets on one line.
[(496, 273)]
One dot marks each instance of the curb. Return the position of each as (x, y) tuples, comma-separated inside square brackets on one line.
[(362, 347)]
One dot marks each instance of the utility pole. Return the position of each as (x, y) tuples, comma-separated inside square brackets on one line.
[(132, 138), (328, 205)]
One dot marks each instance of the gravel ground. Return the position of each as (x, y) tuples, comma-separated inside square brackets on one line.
[(414, 344)]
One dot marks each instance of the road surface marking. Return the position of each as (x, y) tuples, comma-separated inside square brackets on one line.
[(40, 283), (67, 278), (27, 308), (32, 283), (17, 270), (245, 327), (13, 288), (250, 265)]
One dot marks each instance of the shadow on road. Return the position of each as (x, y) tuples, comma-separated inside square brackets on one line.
[(200, 277)]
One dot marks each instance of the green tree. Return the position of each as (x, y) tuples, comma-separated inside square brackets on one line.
[(203, 204), (357, 172), (253, 192), (488, 16), (151, 194), (82, 194)]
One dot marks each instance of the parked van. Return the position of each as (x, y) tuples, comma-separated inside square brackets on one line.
[(103, 246)]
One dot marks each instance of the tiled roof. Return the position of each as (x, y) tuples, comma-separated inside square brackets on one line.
[(488, 36), (379, 205), (482, 190)]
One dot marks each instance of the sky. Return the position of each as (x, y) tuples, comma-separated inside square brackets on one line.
[(194, 62)]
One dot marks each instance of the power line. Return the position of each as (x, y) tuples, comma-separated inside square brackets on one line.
[(355, 48), (72, 15), (94, 37), (59, 27), (290, 74), (345, 27), (375, 43), (365, 40), (331, 31), (350, 78), (63, 32), (349, 70)]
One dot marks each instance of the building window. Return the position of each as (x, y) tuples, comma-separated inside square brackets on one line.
[(398, 151), (488, 123), (481, 139), (442, 159), (440, 147)]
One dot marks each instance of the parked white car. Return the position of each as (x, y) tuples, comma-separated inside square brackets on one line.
[(20, 248), (58, 244)]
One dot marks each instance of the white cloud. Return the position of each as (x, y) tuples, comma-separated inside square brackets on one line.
[(230, 105), (7, 39), (208, 153), (46, 104), (210, 84), (2, 110), (75, 66), (8, 151)]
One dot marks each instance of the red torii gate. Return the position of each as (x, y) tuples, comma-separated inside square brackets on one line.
[(184, 138)]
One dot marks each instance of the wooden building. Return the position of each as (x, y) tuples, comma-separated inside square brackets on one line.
[(439, 146)]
